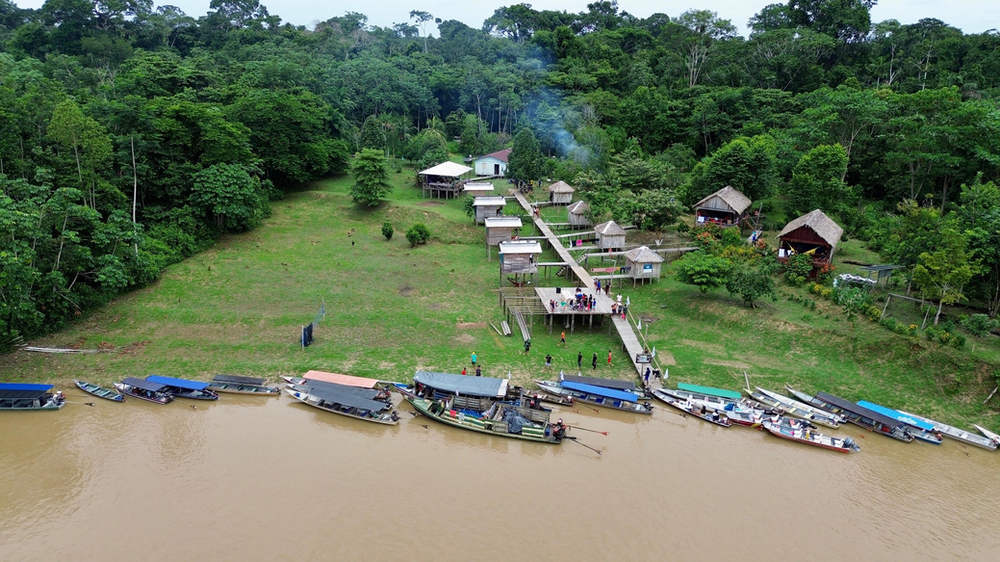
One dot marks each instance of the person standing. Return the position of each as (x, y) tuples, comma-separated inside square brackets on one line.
[(527, 346), (463, 371), (474, 357), (594, 362), (609, 358), (579, 360), (548, 360), (562, 337), (479, 371)]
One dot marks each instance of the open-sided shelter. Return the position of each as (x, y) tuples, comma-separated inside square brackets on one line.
[(726, 207), (445, 179), (576, 214), (488, 207), (560, 193), (643, 263), (814, 234), (610, 235), (493, 164)]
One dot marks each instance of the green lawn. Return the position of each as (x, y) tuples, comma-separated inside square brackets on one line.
[(391, 309)]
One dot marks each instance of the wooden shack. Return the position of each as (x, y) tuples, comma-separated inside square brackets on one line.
[(610, 235), (478, 189), (560, 193), (443, 180), (576, 214), (520, 259), (814, 234), (494, 164), (726, 207), (488, 207), (643, 263), (500, 229)]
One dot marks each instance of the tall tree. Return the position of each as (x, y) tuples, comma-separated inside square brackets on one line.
[(942, 275), (371, 181), (525, 162)]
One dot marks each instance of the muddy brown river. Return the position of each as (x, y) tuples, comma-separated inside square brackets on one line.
[(250, 478)]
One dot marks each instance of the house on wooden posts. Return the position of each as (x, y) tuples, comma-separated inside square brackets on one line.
[(488, 207), (643, 263), (501, 229), (520, 259), (560, 193), (576, 214), (445, 179), (610, 235), (477, 189), (726, 207), (814, 234), (493, 164)]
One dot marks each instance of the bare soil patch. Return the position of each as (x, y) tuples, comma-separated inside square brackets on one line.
[(430, 204), (469, 325)]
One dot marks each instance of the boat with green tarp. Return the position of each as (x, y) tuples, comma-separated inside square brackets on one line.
[(710, 391)]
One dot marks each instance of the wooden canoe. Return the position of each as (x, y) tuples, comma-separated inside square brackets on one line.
[(100, 391)]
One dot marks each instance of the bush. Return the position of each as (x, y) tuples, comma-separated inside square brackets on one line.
[(797, 269), (682, 227), (873, 313), (930, 333), (418, 234), (958, 341), (854, 299), (387, 230)]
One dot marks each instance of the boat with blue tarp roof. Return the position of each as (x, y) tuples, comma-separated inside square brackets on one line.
[(183, 388), (24, 397), (920, 429), (598, 396)]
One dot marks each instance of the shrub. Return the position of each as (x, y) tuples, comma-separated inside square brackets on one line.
[(945, 337), (387, 230), (418, 234), (797, 269), (854, 299), (682, 227), (873, 313), (930, 333), (958, 341)]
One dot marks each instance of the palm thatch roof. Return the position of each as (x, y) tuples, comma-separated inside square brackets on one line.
[(642, 254), (732, 196), (610, 228), (819, 223), (579, 208), (561, 187)]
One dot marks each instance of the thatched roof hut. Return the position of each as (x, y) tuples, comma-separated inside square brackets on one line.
[(560, 193), (726, 207), (576, 214), (488, 207), (643, 263), (815, 234), (610, 235)]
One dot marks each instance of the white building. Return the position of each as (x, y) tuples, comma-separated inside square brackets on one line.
[(494, 164)]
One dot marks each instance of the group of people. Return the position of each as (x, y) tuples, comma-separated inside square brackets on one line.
[(579, 302), (479, 368)]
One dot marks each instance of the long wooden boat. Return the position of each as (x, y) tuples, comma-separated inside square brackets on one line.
[(992, 436), (347, 401), (919, 429), (796, 408), (378, 393), (957, 433), (708, 399), (598, 396), (615, 384), (440, 386), (862, 417), (809, 437), (100, 391), (745, 412), (500, 419), (693, 408), (238, 384), (183, 388), (30, 397), (558, 399), (335, 378), (144, 390), (730, 395)]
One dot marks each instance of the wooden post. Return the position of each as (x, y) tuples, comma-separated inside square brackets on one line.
[(889, 296)]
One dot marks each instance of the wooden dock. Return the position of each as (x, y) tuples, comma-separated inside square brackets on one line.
[(629, 340)]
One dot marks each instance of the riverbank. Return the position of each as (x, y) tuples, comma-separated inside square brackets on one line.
[(391, 309)]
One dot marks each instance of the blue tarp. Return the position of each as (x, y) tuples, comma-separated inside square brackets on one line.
[(896, 415), (178, 383), (600, 391), (24, 386), (143, 384)]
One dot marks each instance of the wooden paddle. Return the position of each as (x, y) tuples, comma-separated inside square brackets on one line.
[(573, 439), (590, 430)]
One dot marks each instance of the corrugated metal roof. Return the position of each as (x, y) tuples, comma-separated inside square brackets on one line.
[(489, 202), (447, 169), (520, 247), (501, 155), (503, 222)]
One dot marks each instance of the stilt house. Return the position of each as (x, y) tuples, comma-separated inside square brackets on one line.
[(488, 207), (610, 235), (643, 263), (576, 214), (814, 234), (560, 193), (445, 179)]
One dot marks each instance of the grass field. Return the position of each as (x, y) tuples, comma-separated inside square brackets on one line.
[(392, 309)]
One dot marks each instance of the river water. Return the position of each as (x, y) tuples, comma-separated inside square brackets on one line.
[(251, 478)]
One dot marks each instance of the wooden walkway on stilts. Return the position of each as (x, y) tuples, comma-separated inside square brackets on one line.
[(625, 331)]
